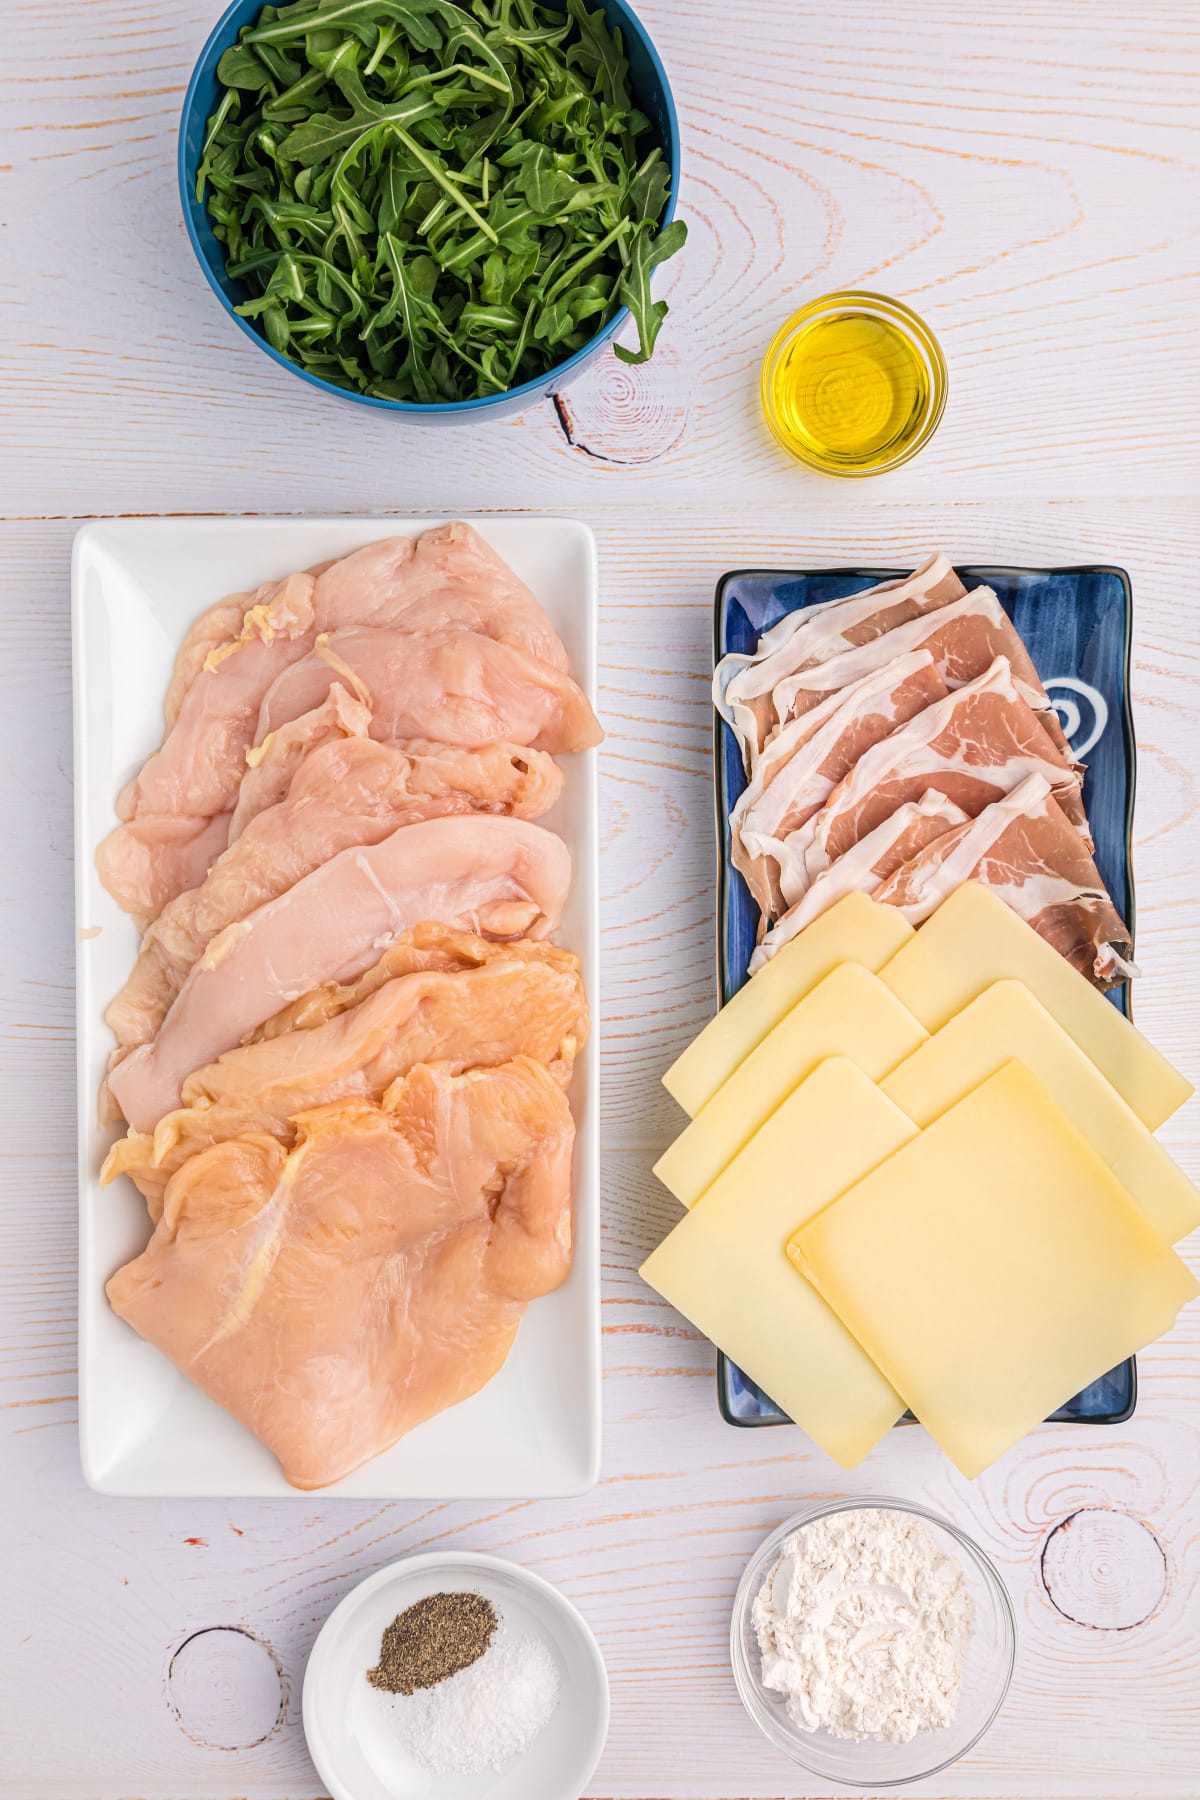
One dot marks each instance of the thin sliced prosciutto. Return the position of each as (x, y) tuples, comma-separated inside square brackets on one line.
[(964, 638), (743, 685), (866, 867), (974, 747), (804, 762), (1028, 852)]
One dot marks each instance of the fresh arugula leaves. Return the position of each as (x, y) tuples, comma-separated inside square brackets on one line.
[(432, 201)]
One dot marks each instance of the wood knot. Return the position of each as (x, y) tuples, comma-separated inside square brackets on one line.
[(226, 1688), (625, 413), (1104, 1569)]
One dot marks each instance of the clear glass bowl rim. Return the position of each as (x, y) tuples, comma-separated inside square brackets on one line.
[(895, 312), (749, 1686)]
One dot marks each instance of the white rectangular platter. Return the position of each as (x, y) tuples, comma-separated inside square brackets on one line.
[(534, 1431)]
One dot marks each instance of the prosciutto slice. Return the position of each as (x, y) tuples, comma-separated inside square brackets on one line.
[(501, 878), (346, 792), (964, 638), (974, 747), (1028, 852), (455, 687), (743, 685), (446, 580), (333, 1295), (866, 867), (436, 996), (804, 762)]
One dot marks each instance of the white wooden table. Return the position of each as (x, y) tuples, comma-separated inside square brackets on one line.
[(1026, 174)]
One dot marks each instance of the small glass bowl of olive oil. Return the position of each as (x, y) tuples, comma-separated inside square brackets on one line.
[(854, 384)]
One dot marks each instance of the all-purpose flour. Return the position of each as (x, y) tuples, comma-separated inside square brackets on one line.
[(863, 1624)]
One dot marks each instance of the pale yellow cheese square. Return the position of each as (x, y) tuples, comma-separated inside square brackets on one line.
[(992, 1267), (855, 930), (725, 1265), (851, 1013), (974, 939), (1006, 1022)]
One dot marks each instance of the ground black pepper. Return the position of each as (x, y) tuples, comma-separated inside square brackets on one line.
[(432, 1640)]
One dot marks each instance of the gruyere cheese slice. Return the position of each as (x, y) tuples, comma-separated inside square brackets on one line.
[(725, 1265), (974, 939), (1006, 1022), (855, 930), (992, 1267), (851, 1013)]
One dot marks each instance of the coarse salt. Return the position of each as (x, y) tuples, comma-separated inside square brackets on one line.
[(483, 1716)]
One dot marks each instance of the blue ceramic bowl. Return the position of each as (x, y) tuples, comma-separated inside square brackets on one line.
[(652, 92)]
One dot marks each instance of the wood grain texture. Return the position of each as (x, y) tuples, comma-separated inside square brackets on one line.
[(1031, 186), (1028, 179)]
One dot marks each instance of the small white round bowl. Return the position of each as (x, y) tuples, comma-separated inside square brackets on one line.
[(986, 1677), (358, 1753)]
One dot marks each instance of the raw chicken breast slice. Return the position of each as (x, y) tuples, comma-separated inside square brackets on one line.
[(219, 625), (964, 638), (804, 762), (743, 685), (333, 1296), (145, 863), (865, 867), (447, 578), (272, 765), (436, 996), (1028, 852), (151, 861), (200, 762), (222, 624), (350, 791), (502, 878), (455, 687), (975, 746)]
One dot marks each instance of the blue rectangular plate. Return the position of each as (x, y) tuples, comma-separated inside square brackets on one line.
[(1076, 626)]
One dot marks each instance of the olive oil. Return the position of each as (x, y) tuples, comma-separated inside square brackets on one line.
[(853, 390)]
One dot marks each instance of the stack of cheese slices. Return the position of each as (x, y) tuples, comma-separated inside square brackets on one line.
[(921, 1173)]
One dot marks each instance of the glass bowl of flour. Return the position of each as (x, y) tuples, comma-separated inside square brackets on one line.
[(872, 1641)]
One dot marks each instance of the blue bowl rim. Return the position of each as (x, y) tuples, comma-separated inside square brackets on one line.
[(533, 389)]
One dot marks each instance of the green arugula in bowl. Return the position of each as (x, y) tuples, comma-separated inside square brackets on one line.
[(435, 202)]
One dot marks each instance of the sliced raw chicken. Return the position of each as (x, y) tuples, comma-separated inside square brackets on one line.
[(436, 996), (964, 638), (1029, 853), (272, 765), (333, 1296), (804, 762), (145, 863), (501, 878), (743, 685), (150, 861), (866, 867), (350, 791), (455, 687), (446, 579), (974, 747), (219, 625)]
